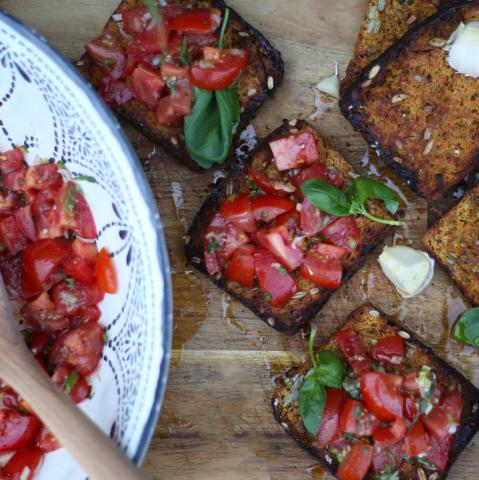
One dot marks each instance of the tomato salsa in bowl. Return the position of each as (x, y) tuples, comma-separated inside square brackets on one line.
[(83, 258)]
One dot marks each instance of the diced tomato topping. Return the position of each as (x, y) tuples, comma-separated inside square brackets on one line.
[(81, 348), (11, 236), (105, 271), (313, 220), (41, 315), (387, 436), (85, 314), (356, 419), (381, 394), (390, 455), (107, 52), (87, 251), (443, 419), (416, 441), (70, 298), (23, 461), (134, 19), (318, 170), (278, 241), (15, 180), (296, 150), (267, 207), (411, 408), (329, 430), (147, 86), (46, 441), (452, 405), (79, 390), (352, 348), (11, 160), (241, 266), (410, 383), (356, 464), (219, 69), (330, 252), (237, 210), (343, 232), (196, 20), (289, 219), (195, 41), (270, 181), (166, 113), (79, 269), (389, 349), (24, 218), (439, 451), (17, 430), (37, 342), (45, 215), (276, 283), (152, 40), (322, 271), (43, 176)]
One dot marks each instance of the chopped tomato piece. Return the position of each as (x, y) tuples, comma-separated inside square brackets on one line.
[(439, 451), (381, 394), (411, 408), (12, 160), (11, 236), (289, 219), (270, 181), (196, 20), (343, 232), (166, 113), (15, 180), (389, 349), (25, 224), (8, 201), (318, 170), (147, 86), (278, 241), (387, 436), (81, 348), (330, 252), (79, 388), (46, 441), (275, 282), (237, 210), (452, 405), (356, 419), (107, 52), (322, 271), (195, 41), (134, 19), (79, 269), (43, 176), (41, 315), (37, 342), (24, 461), (356, 464), (241, 266), (410, 383), (352, 348), (219, 69), (329, 430), (105, 271), (443, 419), (416, 441), (70, 298), (17, 430), (85, 314), (296, 150), (45, 215), (268, 207), (313, 220), (151, 40), (87, 251)]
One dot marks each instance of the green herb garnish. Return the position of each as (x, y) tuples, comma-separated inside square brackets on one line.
[(184, 52), (71, 381), (388, 474), (213, 245), (466, 328), (267, 297), (223, 28), (85, 178)]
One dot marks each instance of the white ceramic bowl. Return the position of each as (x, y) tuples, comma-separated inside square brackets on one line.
[(45, 104)]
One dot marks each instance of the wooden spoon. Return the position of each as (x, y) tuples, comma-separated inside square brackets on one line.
[(97, 454)]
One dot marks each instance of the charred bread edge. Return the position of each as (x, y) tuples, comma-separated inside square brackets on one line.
[(300, 317), (349, 102), (178, 149), (470, 414)]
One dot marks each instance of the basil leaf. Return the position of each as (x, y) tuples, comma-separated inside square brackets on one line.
[(365, 188), (326, 197), (330, 370), (311, 401), (210, 128), (466, 328), (71, 381)]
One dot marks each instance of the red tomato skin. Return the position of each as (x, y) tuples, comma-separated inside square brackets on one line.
[(40, 177), (241, 266), (295, 151), (411, 408), (410, 383), (269, 182), (387, 436), (11, 236), (289, 219), (40, 315), (389, 350), (357, 462), (452, 404), (71, 299), (85, 314), (238, 211), (439, 451), (416, 441), (37, 342), (329, 430), (46, 441), (330, 252), (196, 20), (25, 223), (317, 170), (356, 419), (147, 86), (45, 215), (133, 19), (166, 113), (12, 160), (15, 180), (17, 431), (87, 251), (196, 43), (105, 271), (108, 53), (313, 220), (81, 348), (438, 420), (343, 232), (322, 271), (79, 269), (80, 390), (151, 40), (280, 287), (30, 458), (351, 347), (267, 207)]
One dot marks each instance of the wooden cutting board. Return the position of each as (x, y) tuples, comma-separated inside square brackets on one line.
[(216, 421)]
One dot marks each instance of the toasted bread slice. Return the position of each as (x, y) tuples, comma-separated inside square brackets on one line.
[(454, 242), (302, 307), (260, 78), (416, 111), (386, 21), (371, 325)]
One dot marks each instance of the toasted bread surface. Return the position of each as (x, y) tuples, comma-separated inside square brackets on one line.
[(371, 324), (300, 309), (257, 82), (454, 242), (419, 113)]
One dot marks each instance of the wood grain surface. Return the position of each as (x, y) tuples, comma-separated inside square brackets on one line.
[(216, 421)]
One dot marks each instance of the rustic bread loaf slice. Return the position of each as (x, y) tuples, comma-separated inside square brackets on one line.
[(302, 307), (416, 111), (372, 325), (258, 81), (454, 242)]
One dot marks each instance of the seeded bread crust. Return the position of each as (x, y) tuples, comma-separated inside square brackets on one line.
[(416, 111), (258, 81), (370, 323), (454, 243), (296, 313)]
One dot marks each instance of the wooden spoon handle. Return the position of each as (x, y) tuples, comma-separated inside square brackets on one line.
[(97, 454)]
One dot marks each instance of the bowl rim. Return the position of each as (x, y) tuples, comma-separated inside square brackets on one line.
[(117, 132)]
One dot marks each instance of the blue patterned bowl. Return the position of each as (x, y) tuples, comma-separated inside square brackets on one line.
[(47, 106)]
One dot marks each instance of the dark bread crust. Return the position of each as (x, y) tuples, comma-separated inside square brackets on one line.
[(398, 130), (369, 322), (453, 242), (297, 312), (265, 66)]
